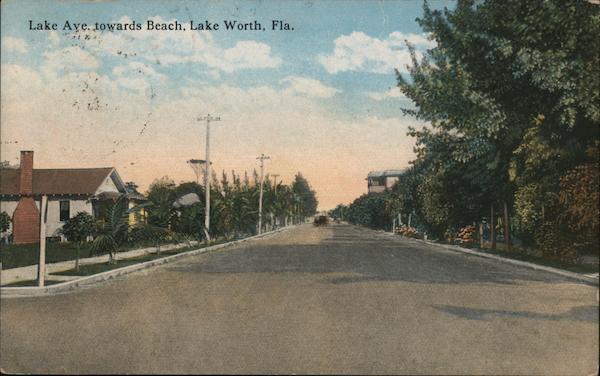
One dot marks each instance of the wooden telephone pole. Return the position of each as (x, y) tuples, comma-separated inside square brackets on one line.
[(208, 119), (260, 199)]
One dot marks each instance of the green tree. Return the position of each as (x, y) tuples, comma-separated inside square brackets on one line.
[(371, 210), (161, 194), (283, 201), (189, 220), (511, 93), (5, 221), (307, 198), (113, 232), (78, 229), (579, 198)]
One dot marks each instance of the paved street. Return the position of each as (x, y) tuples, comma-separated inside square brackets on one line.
[(337, 299)]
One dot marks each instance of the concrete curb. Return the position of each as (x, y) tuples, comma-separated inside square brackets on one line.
[(20, 292), (565, 273), (25, 273)]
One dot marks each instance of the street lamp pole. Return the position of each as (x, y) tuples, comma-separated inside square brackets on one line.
[(208, 119), (260, 199)]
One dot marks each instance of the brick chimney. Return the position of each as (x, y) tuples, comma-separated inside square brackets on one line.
[(26, 178), (26, 217)]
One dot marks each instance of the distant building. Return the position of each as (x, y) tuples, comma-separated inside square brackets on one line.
[(69, 191), (379, 181)]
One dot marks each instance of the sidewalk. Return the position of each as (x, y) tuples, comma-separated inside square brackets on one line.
[(589, 278), (68, 284), (27, 273)]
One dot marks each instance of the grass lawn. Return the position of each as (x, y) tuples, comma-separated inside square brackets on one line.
[(518, 254), (86, 270), (16, 256), (586, 269), (30, 283)]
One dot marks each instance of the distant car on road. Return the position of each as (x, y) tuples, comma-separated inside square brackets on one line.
[(320, 220)]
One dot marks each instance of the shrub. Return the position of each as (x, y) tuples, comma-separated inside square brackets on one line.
[(77, 229), (556, 243), (409, 232), (4, 222), (450, 235), (467, 236)]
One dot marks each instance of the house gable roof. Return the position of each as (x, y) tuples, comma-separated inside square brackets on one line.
[(60, 181)]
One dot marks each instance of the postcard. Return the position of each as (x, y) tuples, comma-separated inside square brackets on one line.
[(299, 187)]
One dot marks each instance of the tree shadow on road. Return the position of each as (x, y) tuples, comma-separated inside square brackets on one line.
[(582, 313)]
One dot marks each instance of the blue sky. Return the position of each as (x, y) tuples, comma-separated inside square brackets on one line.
[(312, 97)]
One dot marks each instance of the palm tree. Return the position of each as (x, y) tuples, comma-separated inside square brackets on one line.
[(282, 203), (235, 211), (245, 212), (114, 230), (223, 213)]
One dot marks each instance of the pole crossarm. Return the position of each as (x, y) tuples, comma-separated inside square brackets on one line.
[(208, 117), (262, 158)]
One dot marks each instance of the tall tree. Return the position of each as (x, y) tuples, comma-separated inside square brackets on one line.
[(306, 196), (511, 91), (161, 195)]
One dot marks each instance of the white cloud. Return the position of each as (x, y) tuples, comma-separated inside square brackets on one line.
[(18, 81), (53, 38), (180, 47), (392, 93), (137, 76), (59, 107), (67, 60), (248, 54), (360, 52), (53, 115), (14, 44), (309, 87), (398, 38)]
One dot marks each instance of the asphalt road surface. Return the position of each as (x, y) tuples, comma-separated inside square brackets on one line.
[(335, 299)]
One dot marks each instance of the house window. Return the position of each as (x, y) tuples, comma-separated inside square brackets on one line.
[(95, 209), (64, 206)]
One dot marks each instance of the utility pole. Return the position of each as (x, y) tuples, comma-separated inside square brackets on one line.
[(262, 163), (42, 255), (275, 192), (208, 119)]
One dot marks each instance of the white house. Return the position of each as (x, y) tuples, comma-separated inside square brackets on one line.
[(69, 191)]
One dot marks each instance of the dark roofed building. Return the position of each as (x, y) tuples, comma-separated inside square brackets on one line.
[(69, 191), (60, 181), (379, 181)]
